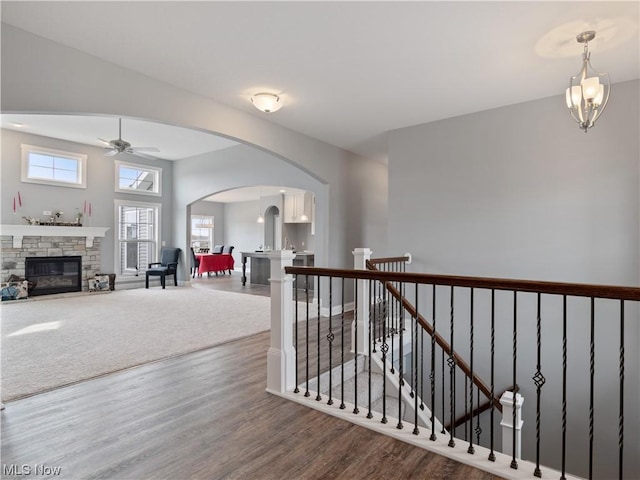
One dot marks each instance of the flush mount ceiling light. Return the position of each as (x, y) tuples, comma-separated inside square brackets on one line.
[(266, 102), (588, 91)]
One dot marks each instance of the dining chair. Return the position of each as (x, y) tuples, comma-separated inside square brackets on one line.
[(195, 264)]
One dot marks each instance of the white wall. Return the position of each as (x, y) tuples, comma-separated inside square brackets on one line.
[(521, 192)]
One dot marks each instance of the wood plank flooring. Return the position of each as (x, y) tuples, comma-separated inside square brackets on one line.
[(204, 415)]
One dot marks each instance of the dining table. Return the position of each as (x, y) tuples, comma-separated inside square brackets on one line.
[(214, 262)]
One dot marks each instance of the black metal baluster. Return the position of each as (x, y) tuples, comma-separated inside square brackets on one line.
[(592, 364), (514, 462), (318, 396), (478, 429), (296, 390), (413, 392), (452, 374), (492, 455), (621, 414), (416, 430), (401, 362), (443, 431), (433, 369), (385, 349), (371, 337), (342, 405), (564, 386), (355, 358), (306, 279), (466, 405), (422, 366), (330, 338), (538, 380), (392, 326), (471, 450)]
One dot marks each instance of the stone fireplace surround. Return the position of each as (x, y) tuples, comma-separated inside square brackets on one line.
[(21, 241)]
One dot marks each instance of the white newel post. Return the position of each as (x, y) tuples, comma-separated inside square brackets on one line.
[(360, 257), (507, 423), (281, 355)]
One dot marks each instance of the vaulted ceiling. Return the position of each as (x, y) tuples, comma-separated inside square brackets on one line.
[(348, 72)]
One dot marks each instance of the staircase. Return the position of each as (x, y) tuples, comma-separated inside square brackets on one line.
[(369, 385)]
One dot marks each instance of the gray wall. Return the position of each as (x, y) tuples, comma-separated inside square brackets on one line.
[(521, 192), (100, 189), (61, 79)]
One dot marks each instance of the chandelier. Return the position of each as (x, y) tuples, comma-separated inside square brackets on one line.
[(588, 91)]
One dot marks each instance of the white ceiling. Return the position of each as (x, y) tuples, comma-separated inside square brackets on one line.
[(245, 194), (348, 72)]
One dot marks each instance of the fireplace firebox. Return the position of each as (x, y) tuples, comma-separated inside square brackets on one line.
[(54, 274)]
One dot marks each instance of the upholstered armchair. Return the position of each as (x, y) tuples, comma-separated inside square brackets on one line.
[(167, 265)]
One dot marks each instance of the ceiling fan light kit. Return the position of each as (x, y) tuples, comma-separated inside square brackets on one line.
[(267, 102), (118, 146), (588, 91)]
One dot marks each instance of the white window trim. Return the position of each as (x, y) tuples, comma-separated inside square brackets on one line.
[(157, 170), (81, 157), (116, 212)]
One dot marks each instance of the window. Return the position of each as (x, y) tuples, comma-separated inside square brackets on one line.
[(53, 167), (131, 178), (201, 231), (137, 227)]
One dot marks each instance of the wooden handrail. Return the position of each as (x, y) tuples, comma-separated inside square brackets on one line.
[(477, 411), (551, 288), (378, 261)]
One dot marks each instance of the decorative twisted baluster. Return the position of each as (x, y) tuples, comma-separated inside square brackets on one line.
[(330, 337), (342, 405), (478, 429), (416, 430), (564, 386), (621, 414), (538, 380), (318, 396), (400, 426), (432, 376), (306, 393), (355, 359), (514, 462), (372, 317), (592, 363), (452, 374), (492, 455), (296, 390), (471, 450)]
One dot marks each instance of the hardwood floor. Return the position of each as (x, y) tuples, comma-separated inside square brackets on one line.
[(230, 283), (204, 415)]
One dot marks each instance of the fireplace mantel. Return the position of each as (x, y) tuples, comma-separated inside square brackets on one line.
[(20, 231)]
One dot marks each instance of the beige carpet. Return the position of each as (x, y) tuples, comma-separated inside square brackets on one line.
[(50, 342)]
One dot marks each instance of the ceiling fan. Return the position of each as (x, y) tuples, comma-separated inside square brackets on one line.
[(115, 147)]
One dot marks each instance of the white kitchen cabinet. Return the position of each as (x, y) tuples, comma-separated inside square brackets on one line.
[(298, 207)]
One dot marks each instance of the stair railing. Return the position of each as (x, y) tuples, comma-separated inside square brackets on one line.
[(503, 307)]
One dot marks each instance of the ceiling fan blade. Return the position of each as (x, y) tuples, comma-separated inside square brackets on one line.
[(111, 152), (144, 149)]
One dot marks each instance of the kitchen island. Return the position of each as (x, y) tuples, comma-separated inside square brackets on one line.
[(261, 267)]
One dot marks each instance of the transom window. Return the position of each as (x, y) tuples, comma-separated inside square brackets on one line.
[(53, 167), (132, 178)]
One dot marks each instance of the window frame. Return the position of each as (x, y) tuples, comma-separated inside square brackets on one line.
[(211, 229), (118, 203), (81, 173), (157, 171)]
